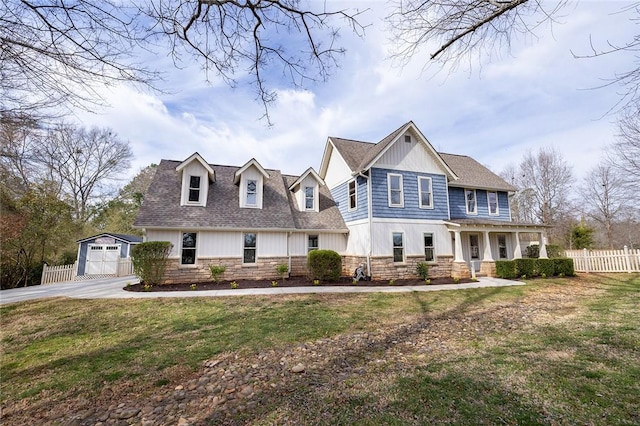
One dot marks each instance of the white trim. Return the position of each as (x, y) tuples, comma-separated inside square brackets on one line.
[(403, 246), (195, 254), (497, 213), (255, 258), (355, 192), (317, 235), (247, 193), (309, 171), (433, 246), (389, 175), (252, 162), (198, 157), (430, 205), (314, 199), (475, 202)]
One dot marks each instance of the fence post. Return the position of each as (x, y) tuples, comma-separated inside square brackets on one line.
[(585, 253), (44, 273), (627, 259)]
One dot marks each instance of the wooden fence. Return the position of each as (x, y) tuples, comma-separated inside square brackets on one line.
[(63, 273), (624, 260)]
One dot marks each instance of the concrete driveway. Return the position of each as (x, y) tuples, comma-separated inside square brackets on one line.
[(112, 288)]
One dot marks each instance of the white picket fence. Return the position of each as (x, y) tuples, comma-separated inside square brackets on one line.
[(624, 260), (63, 273)]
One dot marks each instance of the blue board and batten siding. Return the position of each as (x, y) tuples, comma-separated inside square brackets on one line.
[(459, 209), (341, 198), (411, 209)]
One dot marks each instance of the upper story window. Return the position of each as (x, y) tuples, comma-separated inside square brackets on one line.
[(407, 138), (249, 248), (429, 251), (492, 199), (470, 199), (252, 193), (396, 197), (188, 256), (312, 243), (426, 193), (398, 247), (353, 196), (194, 189), (309, 197)]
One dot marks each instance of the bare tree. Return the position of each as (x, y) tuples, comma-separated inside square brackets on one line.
[(54, 53), (83, 162), (466, 29), (604, 198), (19, 138), (625, 152), (546, 179), (521, 201)]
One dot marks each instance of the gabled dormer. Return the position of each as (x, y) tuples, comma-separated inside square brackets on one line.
[(250, 179), (306, 190), (196, 175)]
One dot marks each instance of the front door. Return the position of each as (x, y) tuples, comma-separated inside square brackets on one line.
[(474, 248)]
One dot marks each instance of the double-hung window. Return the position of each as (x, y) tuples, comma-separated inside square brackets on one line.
[(312, 243), (502, 246), (429, 252), (353, 197), (396, 197), (249, 248), (194, 189), (188, 256), (252, 193), (492, 199), (398, 247), (470, 199), (426, 193), (309, 197)]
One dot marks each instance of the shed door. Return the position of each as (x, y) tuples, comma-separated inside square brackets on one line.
[(102, 259)]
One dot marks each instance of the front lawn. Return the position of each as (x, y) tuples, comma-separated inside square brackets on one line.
[(557, 351)]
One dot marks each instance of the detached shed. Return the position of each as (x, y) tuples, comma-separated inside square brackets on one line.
[(100, 254)]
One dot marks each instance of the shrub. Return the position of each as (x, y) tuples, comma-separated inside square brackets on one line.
[(274, 283), (563, 266), (422, 269), (234, 285), (216, 272), (282, 270), (554, 251), (324, 265), (532, 251), (506, 269), (545, 267), (525, 267), (150, 260)]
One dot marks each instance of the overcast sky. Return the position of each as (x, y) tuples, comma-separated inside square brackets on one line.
[(539, 96)]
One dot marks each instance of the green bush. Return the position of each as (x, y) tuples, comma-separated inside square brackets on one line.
[(506, 269), (282, 270), (525, 267), (554, 251), (216, 272), (532, 251), (150, 260), (422, 269), (545, 267), (563, 266), (324, 265)]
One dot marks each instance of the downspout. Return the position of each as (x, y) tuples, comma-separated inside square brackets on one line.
[(289, 252), (370, 215)]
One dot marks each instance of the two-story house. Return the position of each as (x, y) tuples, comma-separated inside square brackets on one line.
[(387, 205)]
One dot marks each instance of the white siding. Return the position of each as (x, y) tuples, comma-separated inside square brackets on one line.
[(337, 171), (411, 156), (300, 195), (219, 244), (194, 169), (172, 236), (252, 173), (271, 244), (298, 244), (335, 242), (358, 244), (413, 237)]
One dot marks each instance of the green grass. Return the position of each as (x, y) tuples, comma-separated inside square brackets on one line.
[(573, 359)]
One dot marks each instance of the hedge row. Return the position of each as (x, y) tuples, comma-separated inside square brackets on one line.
[(534, 268)]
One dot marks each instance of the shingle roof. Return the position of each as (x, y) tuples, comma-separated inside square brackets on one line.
[(358, 154), (123, 237), (161, 206)]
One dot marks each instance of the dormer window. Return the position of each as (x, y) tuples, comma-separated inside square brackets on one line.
[(309, 198), (407, 138), (194, 189), (252, 193)]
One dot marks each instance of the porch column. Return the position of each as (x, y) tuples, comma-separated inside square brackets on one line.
[(517, 251), (458, 247), (543, 246), (487, 257)]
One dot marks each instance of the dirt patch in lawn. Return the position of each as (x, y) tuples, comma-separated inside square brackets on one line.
[(290, 282)]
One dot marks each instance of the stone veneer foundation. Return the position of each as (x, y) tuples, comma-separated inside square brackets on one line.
[(384, 268), (264, 268)]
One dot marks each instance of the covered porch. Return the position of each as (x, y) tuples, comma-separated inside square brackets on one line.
[(477, 244)]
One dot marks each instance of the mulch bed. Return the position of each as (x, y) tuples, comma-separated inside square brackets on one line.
[(289, 282)]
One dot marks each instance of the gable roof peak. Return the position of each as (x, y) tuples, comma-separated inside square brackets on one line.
[(252, 162), (196, 157), (307, 172)]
